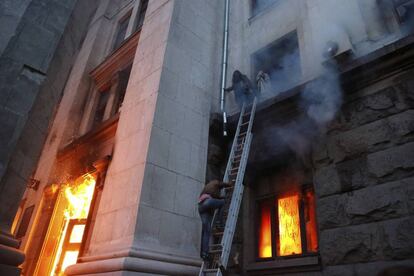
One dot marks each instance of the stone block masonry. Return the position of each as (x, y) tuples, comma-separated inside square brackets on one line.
[(363, 178)]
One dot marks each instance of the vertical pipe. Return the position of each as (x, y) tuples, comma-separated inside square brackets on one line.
[(224, 64)]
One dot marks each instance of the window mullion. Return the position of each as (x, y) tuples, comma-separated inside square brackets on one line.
[(275, 228), (302, 224)]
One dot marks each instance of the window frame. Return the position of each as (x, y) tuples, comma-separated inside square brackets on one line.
[(126, 18), (272, 199), (254, 13), (140, 16)]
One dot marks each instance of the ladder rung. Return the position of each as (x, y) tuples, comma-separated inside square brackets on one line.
[(215, 251), (242, 134), (216, 245), (247, 114), (218, 233), (210, 270), (245, 123)]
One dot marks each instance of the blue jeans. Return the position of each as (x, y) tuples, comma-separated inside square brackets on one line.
[(206, 210)]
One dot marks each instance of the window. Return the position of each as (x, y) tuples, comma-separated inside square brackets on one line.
[(100, 107), (24, 224), (260, 5), (121, 32), (141, 14), (281, 62), (404, 10), (287, 225), (122, 86)]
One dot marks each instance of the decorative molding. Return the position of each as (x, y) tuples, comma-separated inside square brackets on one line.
[(117, 61)]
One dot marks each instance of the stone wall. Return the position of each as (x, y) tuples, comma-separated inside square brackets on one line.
[(33, 70), (363, 179)]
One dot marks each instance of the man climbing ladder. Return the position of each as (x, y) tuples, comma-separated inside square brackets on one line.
[(232, 193)]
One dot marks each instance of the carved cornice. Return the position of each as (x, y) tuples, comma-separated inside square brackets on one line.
[(117, 61)]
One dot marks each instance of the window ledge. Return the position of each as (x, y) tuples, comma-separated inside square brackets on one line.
[(119, 59), (295, 264)]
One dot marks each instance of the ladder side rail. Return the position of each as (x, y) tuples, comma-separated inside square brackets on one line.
[(252, 113), (201, 273), (233, 147), (231, 156), (235, 205)]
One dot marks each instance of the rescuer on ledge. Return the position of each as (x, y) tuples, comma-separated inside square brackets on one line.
[(208, 202)]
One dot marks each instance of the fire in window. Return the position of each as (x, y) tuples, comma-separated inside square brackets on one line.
[(67, 227), (287, 225)]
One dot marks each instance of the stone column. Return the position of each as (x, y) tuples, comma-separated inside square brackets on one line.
[(147, 221), (27, 49)]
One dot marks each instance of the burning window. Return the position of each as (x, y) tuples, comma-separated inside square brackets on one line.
[(67, 227), (287, 225)]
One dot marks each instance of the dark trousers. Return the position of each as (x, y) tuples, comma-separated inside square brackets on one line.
[(206, 210)]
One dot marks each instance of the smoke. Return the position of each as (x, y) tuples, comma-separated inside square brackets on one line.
[(322, 98), (337, 23), (319, 104)]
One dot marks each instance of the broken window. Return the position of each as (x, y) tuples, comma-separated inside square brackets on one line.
[(287, 225), (141, 14), (280, 61), (260, 5)]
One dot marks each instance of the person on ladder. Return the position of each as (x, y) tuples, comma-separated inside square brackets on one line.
[(209, 201), (244, 91)]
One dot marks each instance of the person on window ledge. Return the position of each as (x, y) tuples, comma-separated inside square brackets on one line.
[(244, 91), (209, 201)]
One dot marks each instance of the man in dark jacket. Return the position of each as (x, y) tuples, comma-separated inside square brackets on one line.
[(208, 202)]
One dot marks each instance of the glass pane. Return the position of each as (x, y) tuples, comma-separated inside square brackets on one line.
[(310, 219), (69, 259), (77, 233), (120, 35), (100, 107), (141, 14), (289, 226)]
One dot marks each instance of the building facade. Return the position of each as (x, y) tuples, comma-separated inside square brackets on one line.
[(133, 131)]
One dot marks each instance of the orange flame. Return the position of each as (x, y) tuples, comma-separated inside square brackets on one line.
[(79, 198), (265, 238), (289, 226)]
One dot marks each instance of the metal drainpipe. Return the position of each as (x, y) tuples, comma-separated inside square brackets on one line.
[(224, 64)]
